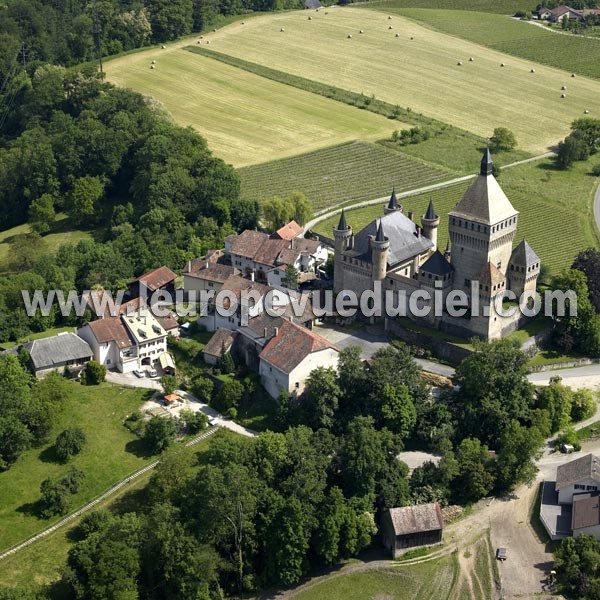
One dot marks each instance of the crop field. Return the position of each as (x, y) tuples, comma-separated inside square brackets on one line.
[(347, 172), (579, 54), (420, 73), (555, 230), (502, 7), (245, 118)]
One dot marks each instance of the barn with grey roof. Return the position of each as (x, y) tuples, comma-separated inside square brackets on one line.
[(57, 352)]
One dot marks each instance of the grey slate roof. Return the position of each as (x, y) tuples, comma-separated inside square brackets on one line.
[(430, 214), (393, 203), (524, 255), (416, 519), (342, 225), (586, 467), (57, 350), (401, 233), (437, 264), (312, 4)]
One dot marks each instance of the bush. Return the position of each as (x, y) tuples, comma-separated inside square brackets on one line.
[(194, 422), (202, 388), (55, 492), (68, 443), (159, 433), (596, 170), (229, 395), (94, 373), (503, 139), (568, 436)]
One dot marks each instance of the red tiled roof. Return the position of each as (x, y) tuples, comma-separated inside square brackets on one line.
[(247, 243), (167, 323), (222, 338), (291, 346), (157, 278), (111, 329), (288, 231)]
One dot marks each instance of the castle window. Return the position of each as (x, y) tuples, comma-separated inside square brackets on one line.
[(499, 265), (429, 275), (512, 267), (467, 283)]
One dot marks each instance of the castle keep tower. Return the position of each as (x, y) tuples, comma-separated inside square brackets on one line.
[(482, 227), (380, 246), (430, 222), (342, 236)]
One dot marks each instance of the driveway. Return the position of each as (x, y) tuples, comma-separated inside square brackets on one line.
[(130, 380), (370, 339), (575, 377)]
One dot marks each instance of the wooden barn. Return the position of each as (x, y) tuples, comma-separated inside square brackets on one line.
[(411, 526)]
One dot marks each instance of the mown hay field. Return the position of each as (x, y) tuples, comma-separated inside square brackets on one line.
[(351, 171), (420, 73), (556, 230), (579, 54), (245, 118)]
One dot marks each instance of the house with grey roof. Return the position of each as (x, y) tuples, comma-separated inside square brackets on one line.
[(55, 353), (401, 255), (569, 503), (412, 526)]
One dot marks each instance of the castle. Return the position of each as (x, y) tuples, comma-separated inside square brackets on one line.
[(404, 256)]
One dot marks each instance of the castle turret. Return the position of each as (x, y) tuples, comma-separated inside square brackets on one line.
[(430, 223), (380, 246), (392, 205), (342, 236)]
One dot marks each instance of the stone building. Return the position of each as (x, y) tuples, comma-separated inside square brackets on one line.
[(479, 260)]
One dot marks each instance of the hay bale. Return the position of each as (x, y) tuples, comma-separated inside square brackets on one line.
[(563, 95), (152, 66), (163, 47), (282, 29), (572, 74), (243, 22), (564, 87), (397, 35), (389, 17), (153, 62), (360, 31), (310, 18), (459, 63), (502, 65), (411, 37), (214, 30), (586, 112), (326, 12), (471, 59), (532, 71), (349, 36), (208, 41)]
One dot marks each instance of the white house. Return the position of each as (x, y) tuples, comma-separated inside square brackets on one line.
[(290, 356), (127, 342), (576, 476)]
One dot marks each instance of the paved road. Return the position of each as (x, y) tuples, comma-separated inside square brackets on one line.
[(576, 377)]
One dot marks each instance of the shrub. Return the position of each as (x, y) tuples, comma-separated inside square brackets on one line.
[(193, 421), (503, 139), (596, 170), (159, 433), (94, 373), (68, 443)]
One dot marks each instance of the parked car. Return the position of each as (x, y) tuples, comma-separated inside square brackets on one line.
[(152, 373), (139, 373), (567, 448), (502, 554)]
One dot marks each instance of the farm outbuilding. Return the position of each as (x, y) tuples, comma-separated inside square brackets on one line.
[(411, 526)]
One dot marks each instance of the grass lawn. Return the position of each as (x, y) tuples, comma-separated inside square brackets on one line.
[(421, 73), (552, 357), (531, 328), (40, 564), (351, 171), (110, 454), (63, 232), (424, 580), (591, 430), (36, 336), (573, 53), (555, 209), (245, 118)]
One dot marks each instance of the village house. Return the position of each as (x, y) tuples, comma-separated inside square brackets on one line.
[(207, 273), (411, 526), (290, 356), (559, 13), (158, 279), (570, 503), (256, 253), (220, 343), (127, 342), (55, 353)]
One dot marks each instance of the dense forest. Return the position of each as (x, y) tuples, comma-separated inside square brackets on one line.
[(69, 32)]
